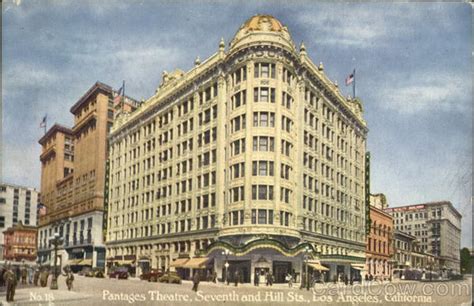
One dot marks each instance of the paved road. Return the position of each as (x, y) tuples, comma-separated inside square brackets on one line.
[(93, 291)]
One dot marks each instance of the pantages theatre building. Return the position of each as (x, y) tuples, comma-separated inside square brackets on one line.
[(252, 161)]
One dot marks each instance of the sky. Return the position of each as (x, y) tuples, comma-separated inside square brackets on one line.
[(412, 61)]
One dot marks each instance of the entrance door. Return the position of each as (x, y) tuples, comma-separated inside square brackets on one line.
[(244, 271), (280, 270)]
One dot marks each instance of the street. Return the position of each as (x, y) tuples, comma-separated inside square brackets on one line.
[(95, 291)]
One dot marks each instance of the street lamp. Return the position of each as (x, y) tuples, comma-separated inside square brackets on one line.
[(56, 240), (226, 253), (306, 257)]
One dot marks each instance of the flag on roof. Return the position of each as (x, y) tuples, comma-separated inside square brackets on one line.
[(43, 122), (350, 78)]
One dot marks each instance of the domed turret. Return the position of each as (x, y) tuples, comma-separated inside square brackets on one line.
[(262, 28)]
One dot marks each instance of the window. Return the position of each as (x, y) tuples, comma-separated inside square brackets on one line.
[(264, 94), (263, 143), (238, 146), (262, 216), (264, 119), (238, 123), (239, 75), (262, 168), (239, 99), (264, 70), (262, 192)]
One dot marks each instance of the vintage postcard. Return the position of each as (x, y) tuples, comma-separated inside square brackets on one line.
[(236, 153)]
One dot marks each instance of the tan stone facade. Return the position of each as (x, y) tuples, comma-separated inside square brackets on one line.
[(254, 151), (73, 179)]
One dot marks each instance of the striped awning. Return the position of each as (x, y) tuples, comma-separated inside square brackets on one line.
[(179, 262), (196, 263)]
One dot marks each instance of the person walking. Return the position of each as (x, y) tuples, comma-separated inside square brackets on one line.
[(11, 281), (36, 276), (289, 278), (44, 277), (24, 274), (236, 277), (196, 280), (256, 279), (69, 279)]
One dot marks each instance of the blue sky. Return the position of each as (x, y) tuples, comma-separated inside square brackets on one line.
[(413, 66)]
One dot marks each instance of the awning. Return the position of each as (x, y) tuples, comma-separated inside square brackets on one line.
[(125, 262), (179, 262), (360, 267), (144, 259), (85, 262), (74, 262), (317, 266), (196, 263)]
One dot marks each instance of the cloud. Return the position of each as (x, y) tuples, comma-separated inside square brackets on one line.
[(425, 92)]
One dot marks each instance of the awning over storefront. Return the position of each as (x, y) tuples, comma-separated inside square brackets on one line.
[(85, 262), (196, 263), (179, 262), (144, 259), (359, 267), (125, 262), (317, 266), (74, 262)]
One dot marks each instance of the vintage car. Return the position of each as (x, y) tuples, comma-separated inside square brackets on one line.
[(152, 276), (170, 277), (85, 271), (119, 273)]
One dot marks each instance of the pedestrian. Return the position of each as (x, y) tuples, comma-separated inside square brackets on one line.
[(69, 279), (303, 280), (24, 274), (36, 276), (236, 277), (196, 280), (270, 278), (289, 278), (44, 277), (31, 271), (2, 272), (214, 277), (11, 281), (256, 279)]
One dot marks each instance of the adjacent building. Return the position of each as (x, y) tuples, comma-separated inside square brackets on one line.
[(73, 181), (379, 250), (18, 204), (252, 161), (20, 243), (437, 228)]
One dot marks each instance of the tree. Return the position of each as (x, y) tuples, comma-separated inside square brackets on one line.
[(466, 263)]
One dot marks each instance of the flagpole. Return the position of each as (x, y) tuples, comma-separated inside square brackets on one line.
[(123, 96), (354, 84)]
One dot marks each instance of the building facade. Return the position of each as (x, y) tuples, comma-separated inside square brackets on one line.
[(17, 204), (20, 243), (379, 249), (73, 181), (252, 158), (437, 228)]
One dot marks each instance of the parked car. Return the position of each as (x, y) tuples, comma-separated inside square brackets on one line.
[(99, 273), (85, 271), (119, 273), (152, 275), (170, 277)]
